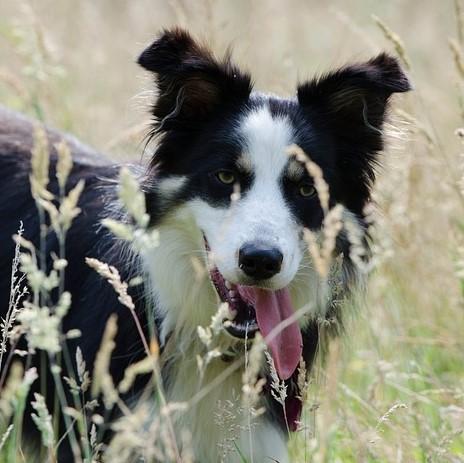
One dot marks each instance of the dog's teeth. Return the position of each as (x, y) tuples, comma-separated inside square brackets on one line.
[(232, 293)]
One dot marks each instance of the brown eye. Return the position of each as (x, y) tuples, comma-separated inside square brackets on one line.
[(226, 176), (306, 190)]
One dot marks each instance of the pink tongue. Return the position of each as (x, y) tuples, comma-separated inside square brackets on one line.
[(272, 308)]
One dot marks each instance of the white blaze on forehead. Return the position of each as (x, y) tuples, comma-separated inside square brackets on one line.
[(267, 138)]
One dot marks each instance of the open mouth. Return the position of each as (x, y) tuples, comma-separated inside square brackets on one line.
[(242, 321), (271, 312)]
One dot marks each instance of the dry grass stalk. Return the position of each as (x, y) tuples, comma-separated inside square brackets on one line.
[(42, 328), (82, 372), (208, 336), (102, 379), (315, 173), (139, 368), (457, 56), (459, 13), (111, 274), (278, 387), (138, 234), (395, 39), (132, 198), (43, 421), (252, 384), (356, 237), (385, 418), (302, 381), (40, 164), (322, 255), (9, 390), (5, 436), (17, 292), (64, 163)]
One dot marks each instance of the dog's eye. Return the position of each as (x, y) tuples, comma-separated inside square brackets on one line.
[(306, 190), (226, 176)]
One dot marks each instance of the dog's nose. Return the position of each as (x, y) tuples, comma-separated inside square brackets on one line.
[(259, 261)]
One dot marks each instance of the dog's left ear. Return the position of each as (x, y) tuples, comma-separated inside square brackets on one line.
[(191, 83), (351, 103)]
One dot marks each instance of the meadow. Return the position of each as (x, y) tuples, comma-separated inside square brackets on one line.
[(392, 388)]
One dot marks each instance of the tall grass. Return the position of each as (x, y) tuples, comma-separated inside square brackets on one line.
[(393, 389)]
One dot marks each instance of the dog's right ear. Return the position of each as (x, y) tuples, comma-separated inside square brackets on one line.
[(191, 83)]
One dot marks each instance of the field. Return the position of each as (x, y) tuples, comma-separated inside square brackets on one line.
[(392, 389)]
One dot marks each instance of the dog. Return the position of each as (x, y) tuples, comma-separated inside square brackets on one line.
[(221, 190)]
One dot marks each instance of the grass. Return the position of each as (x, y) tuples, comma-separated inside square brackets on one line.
[(393, 389)]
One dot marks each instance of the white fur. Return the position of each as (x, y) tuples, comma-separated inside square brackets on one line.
[(182, 295), (185, 297), (218, 423)]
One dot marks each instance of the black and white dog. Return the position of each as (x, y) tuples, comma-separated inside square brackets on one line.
[(220, 188)]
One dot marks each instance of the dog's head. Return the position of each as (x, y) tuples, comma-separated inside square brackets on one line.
[(223, 153)]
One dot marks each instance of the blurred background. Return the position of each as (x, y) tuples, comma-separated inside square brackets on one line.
[(393, 387)]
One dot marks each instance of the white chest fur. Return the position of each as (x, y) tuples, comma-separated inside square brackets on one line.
[(220, 429)]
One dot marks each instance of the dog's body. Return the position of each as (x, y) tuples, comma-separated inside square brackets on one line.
[(217, 138)]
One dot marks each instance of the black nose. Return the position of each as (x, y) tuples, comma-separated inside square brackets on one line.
[(259, 261)]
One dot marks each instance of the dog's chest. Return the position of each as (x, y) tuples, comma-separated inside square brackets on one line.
[(218, 426)]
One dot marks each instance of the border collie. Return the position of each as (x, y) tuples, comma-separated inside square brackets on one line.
[(221, 190)]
